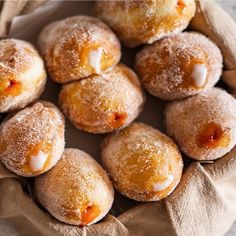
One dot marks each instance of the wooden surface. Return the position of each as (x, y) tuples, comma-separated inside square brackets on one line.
[(7, 230)]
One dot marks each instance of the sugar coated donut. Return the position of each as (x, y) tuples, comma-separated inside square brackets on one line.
[(77, 190), (77, 47), (32, 140), (103, 103), (144, 164), (204, 126), (22, 74), (138, 22), (179, 66)]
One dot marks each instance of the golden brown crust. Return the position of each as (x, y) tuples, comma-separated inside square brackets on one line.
[(77, 190), (204, 125), (78, 47), (138, 22), (143, 163), (32, 140), (22, 74), (179, 66), (103, 103)]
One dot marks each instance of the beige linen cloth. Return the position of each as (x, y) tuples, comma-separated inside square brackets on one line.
[(204, 202)]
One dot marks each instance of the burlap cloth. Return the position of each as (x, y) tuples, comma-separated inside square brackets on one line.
[(204, 202)]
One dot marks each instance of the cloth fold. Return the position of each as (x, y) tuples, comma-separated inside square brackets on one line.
[(12, 8)]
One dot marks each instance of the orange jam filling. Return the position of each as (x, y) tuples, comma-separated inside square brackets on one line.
[(89, 214), (10, 87), (180, 6), (33, 151), (117, 119), (212, 136), (86, 216)]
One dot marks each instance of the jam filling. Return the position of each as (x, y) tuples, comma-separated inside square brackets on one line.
[(86, 216), (117, 119), (212, 136), (180, 6), (10, 87), (89, 214)]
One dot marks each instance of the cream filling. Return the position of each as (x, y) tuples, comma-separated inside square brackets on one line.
[(37, 162), (199, 74), (159, 186), (94, 59)]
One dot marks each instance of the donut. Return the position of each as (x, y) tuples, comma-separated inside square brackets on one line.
[(77, 190), (103, 103), (179, 66), (139, 22), (22, 74), (204, 126), (78, 47), (32, 140), (143, 163)]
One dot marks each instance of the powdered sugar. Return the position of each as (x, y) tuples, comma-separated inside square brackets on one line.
[(139, 157), (91, 102), (29, 128), (68, 47), (75, 182), (186, 119), (20, 62), (138, 22), (166, 67)]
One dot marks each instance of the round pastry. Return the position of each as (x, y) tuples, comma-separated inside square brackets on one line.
[(179, 66), (22, 74), (204, 126), (77, 47), (103, 103), (32, 140), (77, 190), (138, 22), (143, 163)]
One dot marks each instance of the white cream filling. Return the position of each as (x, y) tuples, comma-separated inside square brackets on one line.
[(199, 74), (37, 162), (94, 59), (159, 186)]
